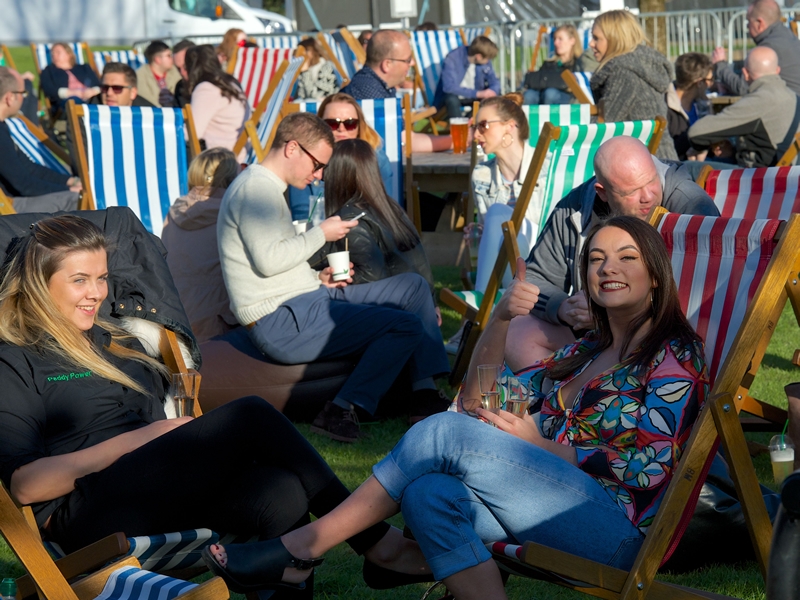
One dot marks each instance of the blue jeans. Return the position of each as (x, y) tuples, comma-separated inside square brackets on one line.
[(462, 483), (547, 96), (390, 322)]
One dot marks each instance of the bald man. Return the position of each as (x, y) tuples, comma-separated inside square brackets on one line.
[(767, 30), (763, 122), (389, 56), (628, 181)]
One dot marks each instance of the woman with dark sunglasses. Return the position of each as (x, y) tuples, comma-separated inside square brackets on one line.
[(345, 118)]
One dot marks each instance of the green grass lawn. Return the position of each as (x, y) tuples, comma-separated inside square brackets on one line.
[(340, 575)]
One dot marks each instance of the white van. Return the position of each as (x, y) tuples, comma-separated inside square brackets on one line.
[(121, 22)]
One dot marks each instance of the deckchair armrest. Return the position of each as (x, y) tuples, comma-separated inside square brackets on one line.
[(423, 114), (448, 298), (81, 561)]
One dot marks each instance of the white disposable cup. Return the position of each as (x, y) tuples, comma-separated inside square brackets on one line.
[(300, 226), (340, 264)]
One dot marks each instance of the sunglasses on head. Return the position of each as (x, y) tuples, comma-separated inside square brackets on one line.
[(116, 88), (349, 124)]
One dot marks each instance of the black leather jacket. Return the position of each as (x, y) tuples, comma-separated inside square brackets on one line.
[(373, 250)]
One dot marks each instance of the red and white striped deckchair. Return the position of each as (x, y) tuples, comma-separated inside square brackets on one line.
[(762, 193), (255, 67), (731, 275)]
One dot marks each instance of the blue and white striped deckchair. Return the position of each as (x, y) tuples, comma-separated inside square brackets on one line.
[(470, 33), (585, 83), (34, 149), (41, 54), (557, 114), (278, 41), (385, 116), (261, 137), (133, 156), (430, 50), (342, 52), (132, 58)]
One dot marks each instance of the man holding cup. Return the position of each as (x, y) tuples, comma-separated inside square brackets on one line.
[(294, 314)]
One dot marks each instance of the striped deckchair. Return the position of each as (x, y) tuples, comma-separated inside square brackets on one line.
[(132, 58), (41, 54), (278, 41), (570, 150), (121, 580), (762, 193), (385, 116), (260, 129), (34, 143), (557, 114), (6, 60), (339, 53), (470, 33), (730, 274), (133, 156), (430, 50), (254, 68)]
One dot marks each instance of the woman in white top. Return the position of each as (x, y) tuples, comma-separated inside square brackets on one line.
[(219, 107), (501, 129)]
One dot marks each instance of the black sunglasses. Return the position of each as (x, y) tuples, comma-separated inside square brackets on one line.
[(349, 124), (318, 164), (117, 88)]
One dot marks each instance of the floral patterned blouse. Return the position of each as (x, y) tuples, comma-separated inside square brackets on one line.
[(628, 425)]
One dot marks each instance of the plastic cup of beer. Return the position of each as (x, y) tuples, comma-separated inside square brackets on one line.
[(339, 262), (781, 455), (518, 398), (459, 129), (184, 392)]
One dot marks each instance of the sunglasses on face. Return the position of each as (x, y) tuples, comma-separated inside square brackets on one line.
[(484, 125), (23, 93), (318, 165), (349, 124), (117, 89)]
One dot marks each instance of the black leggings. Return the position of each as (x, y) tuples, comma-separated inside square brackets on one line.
[(242, 468)]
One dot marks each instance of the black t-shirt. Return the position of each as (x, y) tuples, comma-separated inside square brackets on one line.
[(49, 407)]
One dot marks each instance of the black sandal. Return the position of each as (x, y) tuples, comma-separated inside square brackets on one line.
[(258, 566)]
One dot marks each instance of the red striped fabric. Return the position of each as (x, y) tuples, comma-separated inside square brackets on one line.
[(718, 264), (255, 67), (763, 193)]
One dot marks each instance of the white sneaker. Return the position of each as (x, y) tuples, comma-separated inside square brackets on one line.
[(451, 347)]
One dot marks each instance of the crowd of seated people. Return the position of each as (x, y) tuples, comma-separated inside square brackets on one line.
[(239, 261)]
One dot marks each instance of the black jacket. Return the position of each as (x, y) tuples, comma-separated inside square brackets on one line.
[(53, 78), (140, 284), (549, 74), (20, 176), (373, 249)]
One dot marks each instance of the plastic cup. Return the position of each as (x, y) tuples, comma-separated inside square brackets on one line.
[(490, 390), (781, 455), (459, 130), (300, 226), (518, 397), (184, 392), (340, 263)]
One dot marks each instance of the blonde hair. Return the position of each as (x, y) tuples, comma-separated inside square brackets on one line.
[(365, 132), (572, 31), (623, 32), (30, 317), (215, 168), (68, 49)]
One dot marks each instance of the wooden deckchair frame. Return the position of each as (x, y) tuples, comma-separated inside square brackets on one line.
[(461, 31), (576, 90), (75, 112), (790, 155), (40, 135), (352, 42), (329, 54), (539, 36), (6, 205), (9, 60), (718, 418), (480, 317), (48, 578)]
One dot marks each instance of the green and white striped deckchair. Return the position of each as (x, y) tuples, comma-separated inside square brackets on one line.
[(557, 114), (570, 151)]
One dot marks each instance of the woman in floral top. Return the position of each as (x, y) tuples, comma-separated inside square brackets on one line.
[(585, 474)]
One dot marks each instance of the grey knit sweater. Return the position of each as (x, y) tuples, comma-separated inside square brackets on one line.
[(633, 87)]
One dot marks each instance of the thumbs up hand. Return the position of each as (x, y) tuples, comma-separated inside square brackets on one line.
[(520, 296)]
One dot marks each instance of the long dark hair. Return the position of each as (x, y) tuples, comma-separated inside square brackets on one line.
[(353, 173), (202, 65), (668, 320)]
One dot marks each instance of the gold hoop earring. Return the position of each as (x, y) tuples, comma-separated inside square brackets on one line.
[(503, 143)]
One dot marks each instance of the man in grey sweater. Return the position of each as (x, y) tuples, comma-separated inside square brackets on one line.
[(295, 315), (763, 122), (629, 181), (765, 26)]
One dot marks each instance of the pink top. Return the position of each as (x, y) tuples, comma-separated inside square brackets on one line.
[(73, 83), (217, 119)]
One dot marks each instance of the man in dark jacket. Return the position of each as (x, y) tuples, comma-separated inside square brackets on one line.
[(629, 181), (766, 28), (467, 75), (32, 187), (119, 87)]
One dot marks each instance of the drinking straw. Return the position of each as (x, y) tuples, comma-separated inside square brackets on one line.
[(313, 210), (783, 433)]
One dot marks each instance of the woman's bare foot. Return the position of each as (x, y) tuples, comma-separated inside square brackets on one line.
[(289, 575)]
